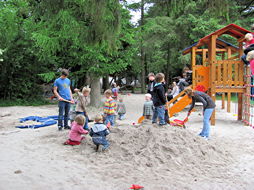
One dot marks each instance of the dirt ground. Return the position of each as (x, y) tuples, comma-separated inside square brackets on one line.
[(161, 158)]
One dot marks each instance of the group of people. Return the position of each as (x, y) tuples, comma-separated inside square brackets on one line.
[(77, 103), (154, 108)]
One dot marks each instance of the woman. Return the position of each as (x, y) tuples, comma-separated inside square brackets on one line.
[(208, 108), (174, 92)]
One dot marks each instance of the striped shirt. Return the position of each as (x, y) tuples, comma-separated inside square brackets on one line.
[(109, 106)]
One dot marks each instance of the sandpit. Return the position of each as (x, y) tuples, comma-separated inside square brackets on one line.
[(160, 158)]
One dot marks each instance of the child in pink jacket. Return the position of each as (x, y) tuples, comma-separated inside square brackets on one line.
[(76, 131)]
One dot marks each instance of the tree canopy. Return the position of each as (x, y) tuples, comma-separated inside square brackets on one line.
[(97, 38)]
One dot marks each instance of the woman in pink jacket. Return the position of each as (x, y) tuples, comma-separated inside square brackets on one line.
[(75, 134)]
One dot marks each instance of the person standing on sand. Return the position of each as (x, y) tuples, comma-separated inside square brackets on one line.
[(208, 108), (63, 92), (151, 84)]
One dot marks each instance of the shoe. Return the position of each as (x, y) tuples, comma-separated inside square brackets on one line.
[(67, 127), (60, 128)]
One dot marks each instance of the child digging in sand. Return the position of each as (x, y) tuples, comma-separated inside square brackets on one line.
[(76, 132), (99, 132), (109, 108)]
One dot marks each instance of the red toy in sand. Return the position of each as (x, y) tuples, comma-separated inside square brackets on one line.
[(179, 123), (136, 187)]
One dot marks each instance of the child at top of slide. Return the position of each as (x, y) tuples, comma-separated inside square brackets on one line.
[(249, 46), (76, 132), (250, 58)]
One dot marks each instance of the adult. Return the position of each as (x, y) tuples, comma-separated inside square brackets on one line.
[(208, 108), (151, 84), (63, 92), (174, 92)]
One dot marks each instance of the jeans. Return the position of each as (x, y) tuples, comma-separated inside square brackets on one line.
[(86, 121), (111, 119), (121, 116), (99, 140), (206, 122), (64, 108), (159, 112)]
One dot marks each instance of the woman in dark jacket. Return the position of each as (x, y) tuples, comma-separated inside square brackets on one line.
[(208, 108)]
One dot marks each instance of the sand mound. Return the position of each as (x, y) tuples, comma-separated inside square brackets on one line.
[(149, 153)]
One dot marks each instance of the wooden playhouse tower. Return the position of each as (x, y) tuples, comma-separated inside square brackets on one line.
[(220, 69)]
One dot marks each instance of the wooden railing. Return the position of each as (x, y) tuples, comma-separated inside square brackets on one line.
[(229, 73)]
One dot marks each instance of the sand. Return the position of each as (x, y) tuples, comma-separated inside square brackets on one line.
[(160, 158)]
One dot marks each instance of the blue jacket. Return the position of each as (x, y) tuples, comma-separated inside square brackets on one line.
[(99, 130)]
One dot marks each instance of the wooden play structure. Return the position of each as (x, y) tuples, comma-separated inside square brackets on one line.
[(218, 69)]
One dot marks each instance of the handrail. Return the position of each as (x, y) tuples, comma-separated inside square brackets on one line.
[(176, 97)]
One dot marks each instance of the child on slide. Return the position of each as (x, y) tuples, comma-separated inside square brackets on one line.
[(99, 132), (76, 132), (250, 58)]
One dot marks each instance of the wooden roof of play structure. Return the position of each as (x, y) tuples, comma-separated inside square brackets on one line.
[(219, 44), (231, 29)]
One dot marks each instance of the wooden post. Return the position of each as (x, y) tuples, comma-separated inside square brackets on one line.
[(248, 89), (223, 101), (229, 102), (193, 65), (240, 95), (204, 57), (212, 62)]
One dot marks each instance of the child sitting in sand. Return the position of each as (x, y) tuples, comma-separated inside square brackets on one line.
[(99, 132), (109, 108), (76, 131), (148, 107), (121, 109)]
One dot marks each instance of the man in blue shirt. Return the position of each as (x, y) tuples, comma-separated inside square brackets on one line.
[(62, 91)]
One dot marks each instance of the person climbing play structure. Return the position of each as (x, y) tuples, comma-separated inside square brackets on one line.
[(220, 71)]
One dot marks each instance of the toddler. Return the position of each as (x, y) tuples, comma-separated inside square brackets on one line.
[(148, 107), (99, 132), (109, 108), (76, 131), (121, 109)]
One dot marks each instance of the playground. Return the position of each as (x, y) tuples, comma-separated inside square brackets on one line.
[(154, 157)]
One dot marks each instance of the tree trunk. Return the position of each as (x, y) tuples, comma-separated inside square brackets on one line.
[(95, 91), (142, 81), (168, 67), (105, 82)]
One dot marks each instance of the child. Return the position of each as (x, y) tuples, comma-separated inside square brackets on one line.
[(82, 102), (109, 108), (76, 131), (148, 107), (159, 100), (248, 47), (121, 109), (250, 58), (99, 132), (115, 91)]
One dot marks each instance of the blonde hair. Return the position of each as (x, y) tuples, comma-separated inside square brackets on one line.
[(148, 95), (98, 118), (250, 55), (80, 119), (248, 35), (159, 77), (85, 89), (108, 92), (189, 92)]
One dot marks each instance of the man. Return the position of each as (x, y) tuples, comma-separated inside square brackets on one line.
[(151, 83), (62, 91)]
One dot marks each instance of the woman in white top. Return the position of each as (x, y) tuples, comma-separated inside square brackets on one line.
[(174, 92)]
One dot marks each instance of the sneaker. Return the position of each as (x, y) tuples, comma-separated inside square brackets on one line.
[(67, 127), (60, 128)]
